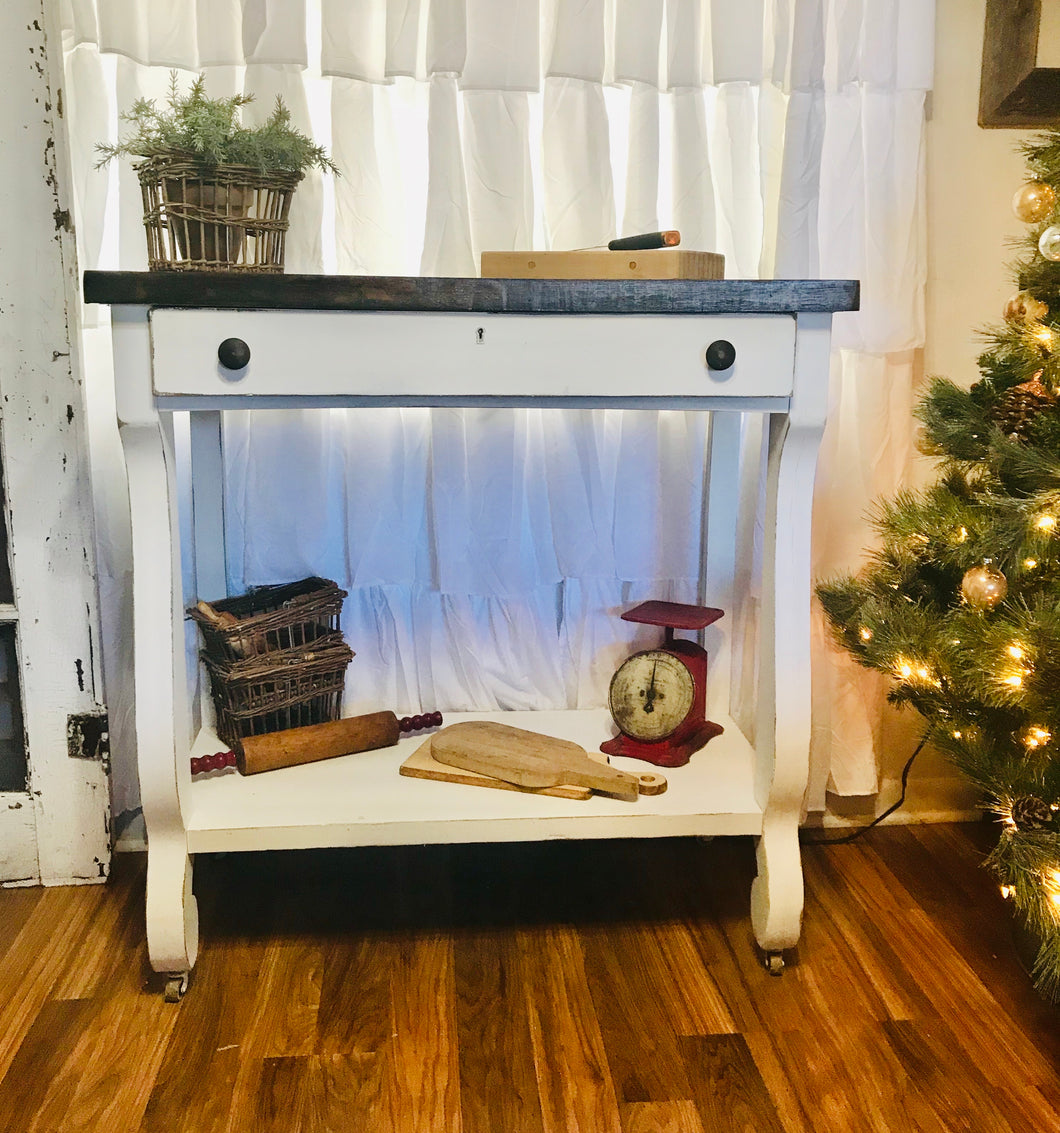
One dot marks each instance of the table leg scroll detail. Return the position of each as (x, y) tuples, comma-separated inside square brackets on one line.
[(172, 911), (777, 891)]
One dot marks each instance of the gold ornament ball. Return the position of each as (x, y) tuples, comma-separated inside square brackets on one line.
[(1049, 243), (1034, 201), (983, 587), (1023, 307)]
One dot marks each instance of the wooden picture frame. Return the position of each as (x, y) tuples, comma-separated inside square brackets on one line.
[(1014, 91)]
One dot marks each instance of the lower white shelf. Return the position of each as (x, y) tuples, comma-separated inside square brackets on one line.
[(362, 800)]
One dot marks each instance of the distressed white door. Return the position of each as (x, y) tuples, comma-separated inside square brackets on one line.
[(54, 822)]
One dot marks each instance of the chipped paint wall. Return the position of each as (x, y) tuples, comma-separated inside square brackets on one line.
[(48, 493)]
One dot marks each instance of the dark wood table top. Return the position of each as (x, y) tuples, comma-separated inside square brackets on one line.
[(248, 291)]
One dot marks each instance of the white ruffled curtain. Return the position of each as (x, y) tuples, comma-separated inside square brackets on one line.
[(486, 552)]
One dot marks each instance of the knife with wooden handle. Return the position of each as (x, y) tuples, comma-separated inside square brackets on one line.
[(645, 241), (528, 759)]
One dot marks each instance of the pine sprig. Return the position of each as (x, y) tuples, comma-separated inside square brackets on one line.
[(1016, 353), (209, 131), (1041, 154), (956, 424)]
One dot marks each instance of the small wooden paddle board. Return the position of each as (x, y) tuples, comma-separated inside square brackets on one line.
[(421, 764), (528, 759)]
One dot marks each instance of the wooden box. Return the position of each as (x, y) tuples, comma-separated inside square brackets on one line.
[(656, 263)]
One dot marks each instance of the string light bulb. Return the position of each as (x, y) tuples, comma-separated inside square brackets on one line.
[(912, 670), (1013, 677), (1045, 522), (1051, 883)]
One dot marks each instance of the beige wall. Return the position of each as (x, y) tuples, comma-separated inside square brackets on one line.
[(971, 176)]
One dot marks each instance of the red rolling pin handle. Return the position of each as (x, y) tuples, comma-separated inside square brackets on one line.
[(222, 759), (216, 762), (417, 723)]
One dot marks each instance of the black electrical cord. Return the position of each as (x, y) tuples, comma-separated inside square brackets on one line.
[(880, 817)]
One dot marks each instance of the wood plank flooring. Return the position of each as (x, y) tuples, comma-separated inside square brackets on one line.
[(593, 987)]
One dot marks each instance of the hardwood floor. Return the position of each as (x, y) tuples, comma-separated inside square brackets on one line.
[(599, 987)]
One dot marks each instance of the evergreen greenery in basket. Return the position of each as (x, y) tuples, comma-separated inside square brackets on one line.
[(208, 132), (216, 192), (960, 603)]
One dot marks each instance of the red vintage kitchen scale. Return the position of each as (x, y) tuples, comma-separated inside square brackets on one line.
[(657, 697)]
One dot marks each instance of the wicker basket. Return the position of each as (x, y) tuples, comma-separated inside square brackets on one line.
[(288, 689), (216, 218), (272, 618)]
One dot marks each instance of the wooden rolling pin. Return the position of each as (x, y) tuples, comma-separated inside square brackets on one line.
[(314, 742)]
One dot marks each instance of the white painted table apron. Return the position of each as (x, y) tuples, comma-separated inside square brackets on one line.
[(466, 342)]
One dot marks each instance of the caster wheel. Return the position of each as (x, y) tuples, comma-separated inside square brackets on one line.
[(774, 963), (176, 986)]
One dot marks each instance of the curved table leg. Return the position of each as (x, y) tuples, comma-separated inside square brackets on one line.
[(172, 911), (161, 725), (777, 891), (783, 727)]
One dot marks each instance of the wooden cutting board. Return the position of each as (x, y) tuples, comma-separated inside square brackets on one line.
[(528, 759), (592, 263), (421, 764)]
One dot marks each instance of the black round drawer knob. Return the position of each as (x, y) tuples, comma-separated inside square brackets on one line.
[(720, 354), (233, 354)]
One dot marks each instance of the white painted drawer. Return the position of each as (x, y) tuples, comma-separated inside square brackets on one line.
[(409, 355)]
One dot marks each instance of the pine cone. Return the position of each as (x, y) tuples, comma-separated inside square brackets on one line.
[(1031, 813), (1017, 409)]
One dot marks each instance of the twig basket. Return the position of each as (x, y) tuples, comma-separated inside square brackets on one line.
[(214, 218), (288, 689), (272, 618)]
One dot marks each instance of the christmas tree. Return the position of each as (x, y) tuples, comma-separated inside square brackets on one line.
[(960, 603)]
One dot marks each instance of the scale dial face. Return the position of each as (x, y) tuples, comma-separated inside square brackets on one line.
[(651, 694)]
